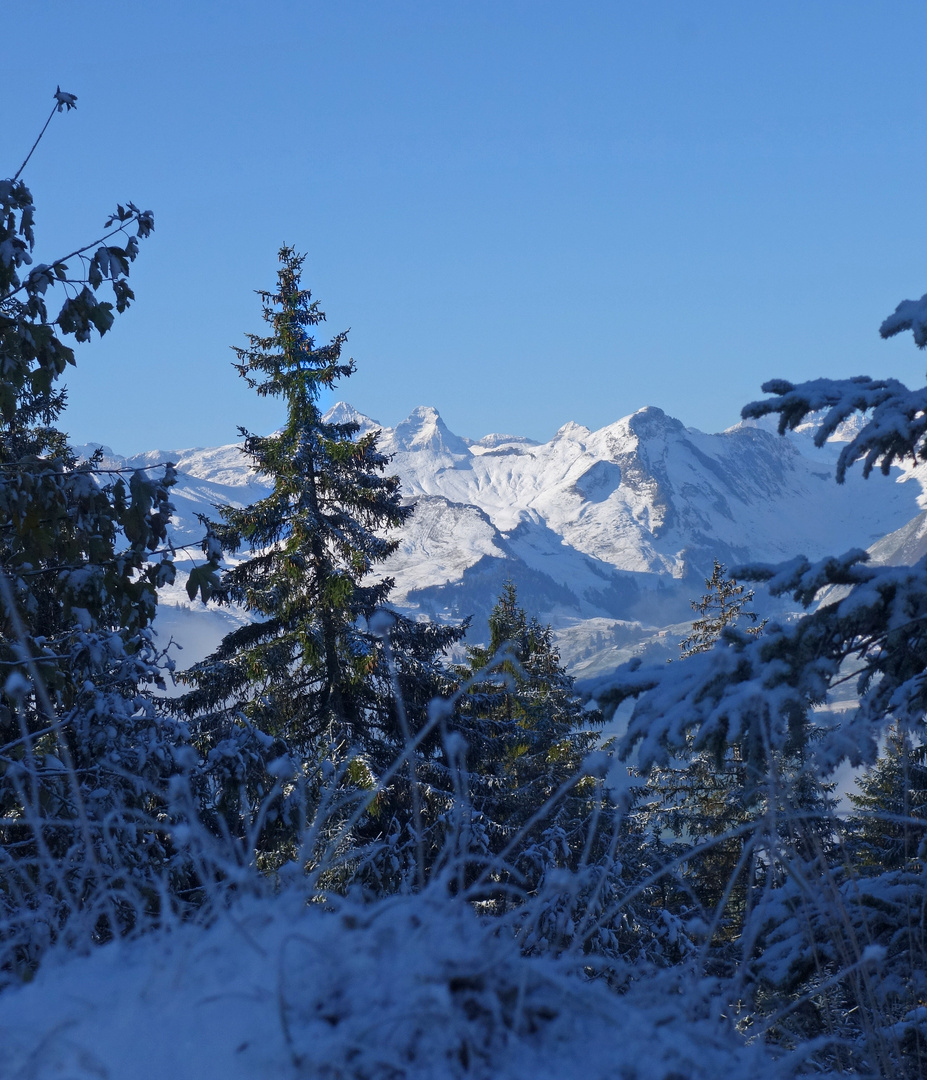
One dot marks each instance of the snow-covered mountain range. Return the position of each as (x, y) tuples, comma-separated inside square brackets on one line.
[(607, 534)]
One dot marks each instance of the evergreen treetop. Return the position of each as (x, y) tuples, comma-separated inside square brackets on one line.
[(527, 732), (307, 677), (723, 603)]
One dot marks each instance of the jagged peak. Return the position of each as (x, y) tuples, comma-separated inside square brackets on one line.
[(651, 420), (423, 429), (632, 431), (424, 414), (572, 432), (343, 413)]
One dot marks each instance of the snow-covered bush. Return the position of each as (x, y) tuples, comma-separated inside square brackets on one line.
[(84, 755), (412, 987), (838, 939)]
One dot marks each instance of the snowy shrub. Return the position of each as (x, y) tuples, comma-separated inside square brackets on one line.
[(410, 987), (85, 757), (832, 943)]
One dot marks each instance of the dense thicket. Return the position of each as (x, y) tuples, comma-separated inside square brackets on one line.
[(84, 757)]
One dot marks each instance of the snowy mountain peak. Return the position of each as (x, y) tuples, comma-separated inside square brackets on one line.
[(343, 413), (571, 432), (651, 422), (423, 429), (496, 439), (599, 530)]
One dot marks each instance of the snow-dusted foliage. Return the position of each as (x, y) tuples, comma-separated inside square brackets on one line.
[(758, 692), (894, 431), (833, 937), (909, 315), (84, 757), (418, 987)]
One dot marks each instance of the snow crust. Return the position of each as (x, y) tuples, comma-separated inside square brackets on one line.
[(410, 987)]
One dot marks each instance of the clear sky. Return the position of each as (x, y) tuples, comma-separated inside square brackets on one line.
[(526, 212)]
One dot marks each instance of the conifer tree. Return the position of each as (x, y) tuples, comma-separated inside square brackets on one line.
[(527, 733), (723, 603), (708, 800), (703, 794), (306, 679), (537, 809), (886, 830)]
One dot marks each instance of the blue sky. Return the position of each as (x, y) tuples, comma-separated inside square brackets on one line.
[(527, 213)]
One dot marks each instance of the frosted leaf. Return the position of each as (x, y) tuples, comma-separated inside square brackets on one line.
[(65, 100)]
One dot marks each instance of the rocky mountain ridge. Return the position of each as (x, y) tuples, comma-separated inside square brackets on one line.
[(608, 534)]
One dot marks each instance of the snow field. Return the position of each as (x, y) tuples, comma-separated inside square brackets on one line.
[(410, 987)]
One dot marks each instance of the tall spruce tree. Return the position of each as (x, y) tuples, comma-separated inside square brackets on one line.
[(307, 679)]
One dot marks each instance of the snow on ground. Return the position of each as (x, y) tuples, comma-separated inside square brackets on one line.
[(412, 987)]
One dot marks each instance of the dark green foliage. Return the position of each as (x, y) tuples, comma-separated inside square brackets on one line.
[(307, 680), (887, 828), (539, 807), (83, 753), (297, 670), (527, 734), (525, 726)]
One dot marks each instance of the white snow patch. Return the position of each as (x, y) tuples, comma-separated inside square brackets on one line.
[(413, 987)]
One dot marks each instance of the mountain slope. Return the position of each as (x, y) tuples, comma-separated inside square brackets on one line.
[(608, 534)]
